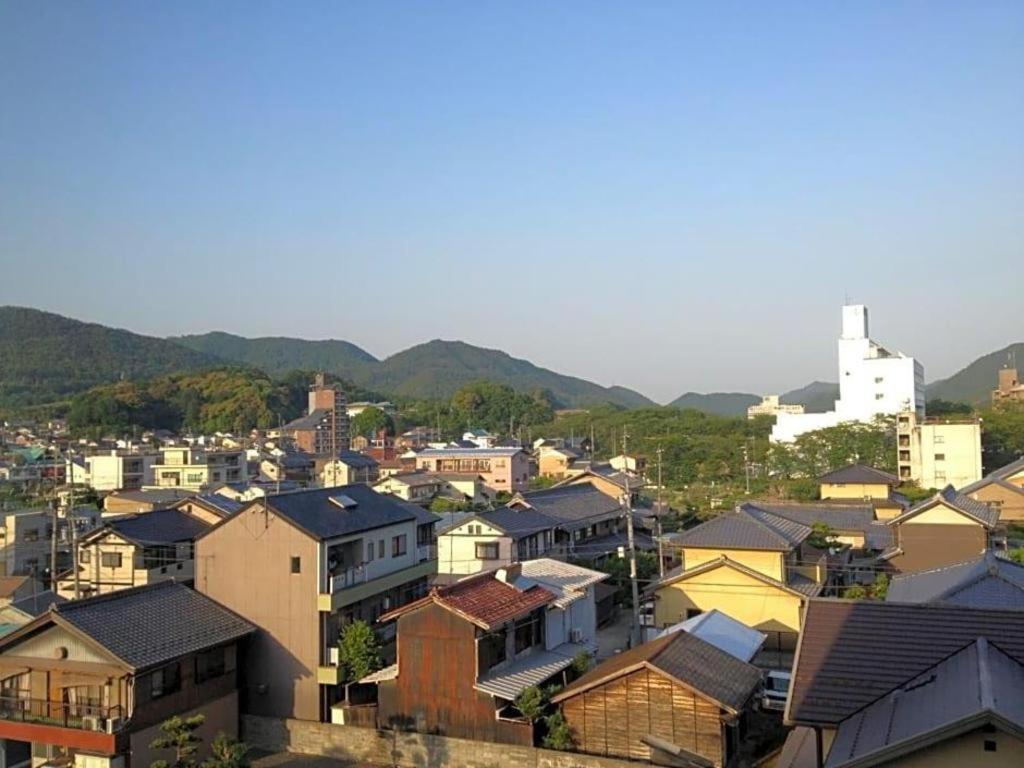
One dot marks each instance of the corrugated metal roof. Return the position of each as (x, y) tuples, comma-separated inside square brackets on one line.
[(971, 686), (568, 582), (852, 652), (387, 673), (508, 682)]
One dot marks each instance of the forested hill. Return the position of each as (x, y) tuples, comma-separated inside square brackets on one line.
[(46, 357), (974, 384), (434, 370)]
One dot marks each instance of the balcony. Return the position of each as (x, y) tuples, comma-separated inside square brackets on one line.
[(343, 589), (80, 726), (426, 552), (349, 577)]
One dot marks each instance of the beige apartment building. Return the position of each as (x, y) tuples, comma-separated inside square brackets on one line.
[(935, 454), (502, 469), (1010, 388), (120, 470), (195, 469), (771, 406)]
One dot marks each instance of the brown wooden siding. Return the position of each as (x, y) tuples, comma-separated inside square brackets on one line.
[(434, 691), (611, 719), (927, 546)]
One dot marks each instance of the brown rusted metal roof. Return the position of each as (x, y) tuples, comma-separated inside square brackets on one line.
[(852, 652)]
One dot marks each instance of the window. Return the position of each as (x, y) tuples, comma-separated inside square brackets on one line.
[(296, 566), (529, 632), (165, 680), (380, 549), (369, 552), (398, 545), (879, 379), (491, 650), (210, 664), (940, 438), (111, 559), (691, 612), (85, 557), (990, 745), (879, 395), (488, 551), (940, 457), (31, 534)]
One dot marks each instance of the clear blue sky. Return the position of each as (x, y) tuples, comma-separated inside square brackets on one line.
[(665, 195)]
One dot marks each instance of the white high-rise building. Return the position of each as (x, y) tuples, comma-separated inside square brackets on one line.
[(873, 381)]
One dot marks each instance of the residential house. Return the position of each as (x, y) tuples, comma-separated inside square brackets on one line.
[(415, 487), (132, 502), (721, 631), (480, 438), (855, 654), (121, 470), (630, 463), (467, 650), (857, 482), (938, 452), (194, 468), (986, 581), (556, 462), (347, 468), (354, 409), (88, 682), (1003, 490), (676, 700), (578, 520), (25, 539), (503, 469), (301, 565), (850, 524), (947, 528), (211, 508), (749, 564), (22, 611), (15, 588), (291, 466), (134, 550), (324, 427)]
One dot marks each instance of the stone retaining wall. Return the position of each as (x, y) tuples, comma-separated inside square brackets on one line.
[(405, 750)]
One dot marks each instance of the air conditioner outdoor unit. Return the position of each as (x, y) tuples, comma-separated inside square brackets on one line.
[(113, 724), (92, 723), (333, 657), (576, 635)]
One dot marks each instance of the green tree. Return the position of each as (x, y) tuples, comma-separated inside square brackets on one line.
[(370, 421), (358, 650), (178, 734), (822, 536), (855, 592), (227, 752), (580, 663), (531, 703), (880, 588), (559, 735)]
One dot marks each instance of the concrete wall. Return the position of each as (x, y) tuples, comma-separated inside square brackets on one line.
[(406, 750)]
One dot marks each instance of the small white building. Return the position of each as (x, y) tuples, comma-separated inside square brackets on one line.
[(873, 381)]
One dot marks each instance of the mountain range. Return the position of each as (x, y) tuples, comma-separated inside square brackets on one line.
[(45, 357)]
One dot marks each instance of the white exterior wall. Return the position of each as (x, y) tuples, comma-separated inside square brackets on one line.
[(958, 445), (106, 473), (581, 615), (456, 549), (379, 566), (872, 382)]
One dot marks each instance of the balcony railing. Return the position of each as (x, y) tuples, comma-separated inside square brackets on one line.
[(350, 577), (82, 717), (426, 552)]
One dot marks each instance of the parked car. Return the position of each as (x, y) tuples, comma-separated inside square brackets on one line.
[(775, 690)]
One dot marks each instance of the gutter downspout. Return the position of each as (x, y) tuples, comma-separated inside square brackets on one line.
[(819, 758)]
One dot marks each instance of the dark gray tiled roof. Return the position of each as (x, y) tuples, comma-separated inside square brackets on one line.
[(696, 663), (518, 522), (222, 503), (985, 581), (859, 474), (571, 505), (854, 651), (155, 496), (314, 512), (38, 603), (842, 518), (152, 625), (974, 684), (748, 527), (971, 507), (357, 460), (162, 526), (998, 476), (308, 421)]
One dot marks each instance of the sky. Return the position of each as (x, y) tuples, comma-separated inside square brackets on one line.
[(669, 196)]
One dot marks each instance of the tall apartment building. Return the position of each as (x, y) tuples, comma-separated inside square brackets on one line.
[(935, 454), (873, 381), (324, 428), (1010, 389)]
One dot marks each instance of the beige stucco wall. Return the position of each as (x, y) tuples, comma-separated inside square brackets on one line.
[(245, 564), (854, 491), (967, 750), (940, 514), (769, 563), (743, 597)]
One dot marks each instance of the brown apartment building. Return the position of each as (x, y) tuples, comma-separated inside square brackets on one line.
[(301, 565), (1010, 388), (324, 427)]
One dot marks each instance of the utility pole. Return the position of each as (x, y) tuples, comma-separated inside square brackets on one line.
[(634, 635), (657, 518), (74, 528), (746, 467), (54, 503)]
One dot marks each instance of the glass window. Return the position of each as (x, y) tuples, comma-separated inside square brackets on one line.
[(369, 552), (165, 680), (85, 557), (380, 549), (296, 566), (487, 551), (210, 664), (111, 559), (529, 632), (398, 545)]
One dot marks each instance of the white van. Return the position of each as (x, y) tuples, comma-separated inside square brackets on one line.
[(775, 690)]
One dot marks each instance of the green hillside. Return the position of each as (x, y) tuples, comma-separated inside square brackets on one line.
[(438, 368), (816, 397), (974, 384), (46, 357), (277, 355), (717, 403)]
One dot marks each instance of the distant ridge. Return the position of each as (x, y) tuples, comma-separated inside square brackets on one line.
[(974, 384)]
